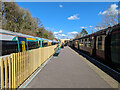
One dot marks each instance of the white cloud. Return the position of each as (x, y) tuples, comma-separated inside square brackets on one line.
[(83, 27), (74, 17), (68, 35), (61, 6), (113, 9), (74, 32), (102, 13), (71, 35), (113, 6), (55, 32), (59, 32), (99, 28), (63, 35), (47, 27), (90, 26)]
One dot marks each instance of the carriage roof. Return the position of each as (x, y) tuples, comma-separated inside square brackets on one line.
[(15, 34)]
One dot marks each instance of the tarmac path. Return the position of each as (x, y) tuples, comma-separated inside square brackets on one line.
[(67, 70)]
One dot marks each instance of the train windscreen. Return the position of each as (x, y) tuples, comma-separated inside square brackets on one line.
[(9, 47)]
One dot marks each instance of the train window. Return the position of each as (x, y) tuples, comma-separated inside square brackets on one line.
[(32, 45), (82, 42), (44, 44), (100, 42), (9, 47), (85, 42), (90, 42)]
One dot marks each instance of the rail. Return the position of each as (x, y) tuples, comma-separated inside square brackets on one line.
[(17, 67)]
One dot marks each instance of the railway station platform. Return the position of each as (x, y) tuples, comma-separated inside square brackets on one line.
[(69, 70)]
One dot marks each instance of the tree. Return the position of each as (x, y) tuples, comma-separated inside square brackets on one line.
[(12, 16), (77, 36), (27, 20), (109, 17), (83, 32), (40, 32), (50, 35), (45, 35), (17, 19)]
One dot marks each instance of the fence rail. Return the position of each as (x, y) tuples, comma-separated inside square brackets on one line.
[(16, 68)]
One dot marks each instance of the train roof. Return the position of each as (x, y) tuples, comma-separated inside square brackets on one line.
[(46, 40), (15, 34), (6, 32), (54, 41), (100, 32), (39, 38)]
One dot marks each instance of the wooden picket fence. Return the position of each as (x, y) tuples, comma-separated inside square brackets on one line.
[(16, 68)]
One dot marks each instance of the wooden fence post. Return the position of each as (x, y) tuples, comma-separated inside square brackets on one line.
[(2, 74), (6, 73), (24, 64), (10, 75), (14, 70), (12, 57), (18, 69)]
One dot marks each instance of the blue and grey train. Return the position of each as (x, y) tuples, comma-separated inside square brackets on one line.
[(12, 42)]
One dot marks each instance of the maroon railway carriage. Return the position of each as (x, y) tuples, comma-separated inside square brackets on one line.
[(93, 44), (103, 44)]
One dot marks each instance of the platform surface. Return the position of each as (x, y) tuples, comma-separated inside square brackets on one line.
[(68, 70)]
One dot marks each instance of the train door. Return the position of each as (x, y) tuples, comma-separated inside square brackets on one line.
[(115, 47), (78, 44), (107, 48), (94, 46), (22, 44)]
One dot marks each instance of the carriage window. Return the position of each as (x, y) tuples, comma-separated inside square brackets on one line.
[(44, 44), (9, 47), (85, 43), (32, 45), (89, 42), (82, 41), (115, 46), (100, 42)]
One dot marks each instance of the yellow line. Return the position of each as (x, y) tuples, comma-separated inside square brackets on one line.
[(31, 39)]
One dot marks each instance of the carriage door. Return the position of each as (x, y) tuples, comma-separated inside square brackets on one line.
[(115, 47), (94, 46), (22, 44)]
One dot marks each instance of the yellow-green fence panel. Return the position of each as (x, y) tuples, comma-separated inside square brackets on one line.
[(16, 68)]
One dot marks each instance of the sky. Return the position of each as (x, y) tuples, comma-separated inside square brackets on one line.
[(66, 19)]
